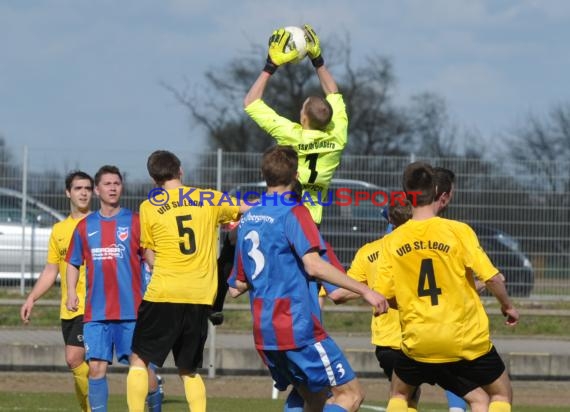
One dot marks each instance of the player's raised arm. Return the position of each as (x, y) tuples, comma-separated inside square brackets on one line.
[(328, 83), (277, 56)]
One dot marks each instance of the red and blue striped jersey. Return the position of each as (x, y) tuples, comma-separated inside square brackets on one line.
[(110, 248), (271, 241)]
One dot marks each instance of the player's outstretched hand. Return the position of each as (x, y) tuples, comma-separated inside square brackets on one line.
[(313, 42), (512, 316), (313, 47), (377, 301), (277, 45)]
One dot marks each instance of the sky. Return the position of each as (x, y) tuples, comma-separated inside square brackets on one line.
[(80, 80)]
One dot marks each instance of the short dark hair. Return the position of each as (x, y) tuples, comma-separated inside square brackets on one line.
[(399, 213), (319, 112), (107, 169), (279, 165), (444, 180), (418, 177), (76, 175), (162, 166)]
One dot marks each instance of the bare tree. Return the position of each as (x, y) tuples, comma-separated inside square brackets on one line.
[(432, 132), (9, 170), (542, 146), (376, 125)]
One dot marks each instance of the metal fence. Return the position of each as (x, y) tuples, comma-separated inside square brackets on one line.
[(520, 210)]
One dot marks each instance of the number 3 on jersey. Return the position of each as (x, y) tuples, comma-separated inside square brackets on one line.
[(255, 253)]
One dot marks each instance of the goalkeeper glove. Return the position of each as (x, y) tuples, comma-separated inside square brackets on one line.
[(313, 47), (277, 54)]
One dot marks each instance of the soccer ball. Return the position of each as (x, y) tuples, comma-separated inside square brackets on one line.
[(297, 41)]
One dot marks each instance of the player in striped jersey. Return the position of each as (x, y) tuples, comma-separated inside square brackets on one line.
[(278, 259), (108, 243)]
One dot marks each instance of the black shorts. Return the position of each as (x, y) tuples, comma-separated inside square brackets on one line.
[(459, 377), (72, 330), (180, 327), (387, 358)]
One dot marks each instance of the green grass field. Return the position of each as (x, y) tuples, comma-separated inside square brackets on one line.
[(346, 322), (66, 403)]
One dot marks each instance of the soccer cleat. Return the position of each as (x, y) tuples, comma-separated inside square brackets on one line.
[(160, 381)]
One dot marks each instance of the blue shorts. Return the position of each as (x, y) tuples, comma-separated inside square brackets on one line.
[(317, 366), (102, 337)]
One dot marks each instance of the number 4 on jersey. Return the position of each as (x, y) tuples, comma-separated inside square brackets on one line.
[(426, 284)]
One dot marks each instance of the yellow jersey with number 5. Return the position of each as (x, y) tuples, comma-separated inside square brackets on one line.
[(424, 265), (181, 227)]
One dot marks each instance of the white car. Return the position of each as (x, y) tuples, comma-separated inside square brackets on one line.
[(37, 229)]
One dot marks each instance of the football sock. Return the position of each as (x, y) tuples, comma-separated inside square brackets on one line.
[(331, 407), (98, 394), (195, 392), (81, 384), (397, 405), (412, 409), (499, 406), (455, 403), (294, 402), (137, 388)]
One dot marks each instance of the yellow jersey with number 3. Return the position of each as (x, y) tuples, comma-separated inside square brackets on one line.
[(364, 268), (424, 266), (183, 233), (319, 151), (59, 240)]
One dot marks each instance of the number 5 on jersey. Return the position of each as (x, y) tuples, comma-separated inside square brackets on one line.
[(187, 242)]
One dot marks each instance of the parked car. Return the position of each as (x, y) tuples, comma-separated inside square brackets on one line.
[(38, 222), (348, 226), (506, 254)]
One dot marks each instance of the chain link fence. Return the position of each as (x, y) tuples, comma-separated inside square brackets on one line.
[(520, 211)]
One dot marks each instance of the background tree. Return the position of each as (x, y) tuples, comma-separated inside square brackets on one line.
[(542, 146), (377, 125), (9, 169)]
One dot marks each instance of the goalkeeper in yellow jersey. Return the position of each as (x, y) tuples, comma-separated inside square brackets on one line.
[(426, 266), (321, 134)]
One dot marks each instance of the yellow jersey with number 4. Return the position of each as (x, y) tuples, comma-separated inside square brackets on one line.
[(319, 151), (364, 268), (183, 233), (424, 265)]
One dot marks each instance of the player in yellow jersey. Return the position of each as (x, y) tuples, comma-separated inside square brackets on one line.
[(321, 134), (78, 189), (426, 265), (386, 331), (179, 230)]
